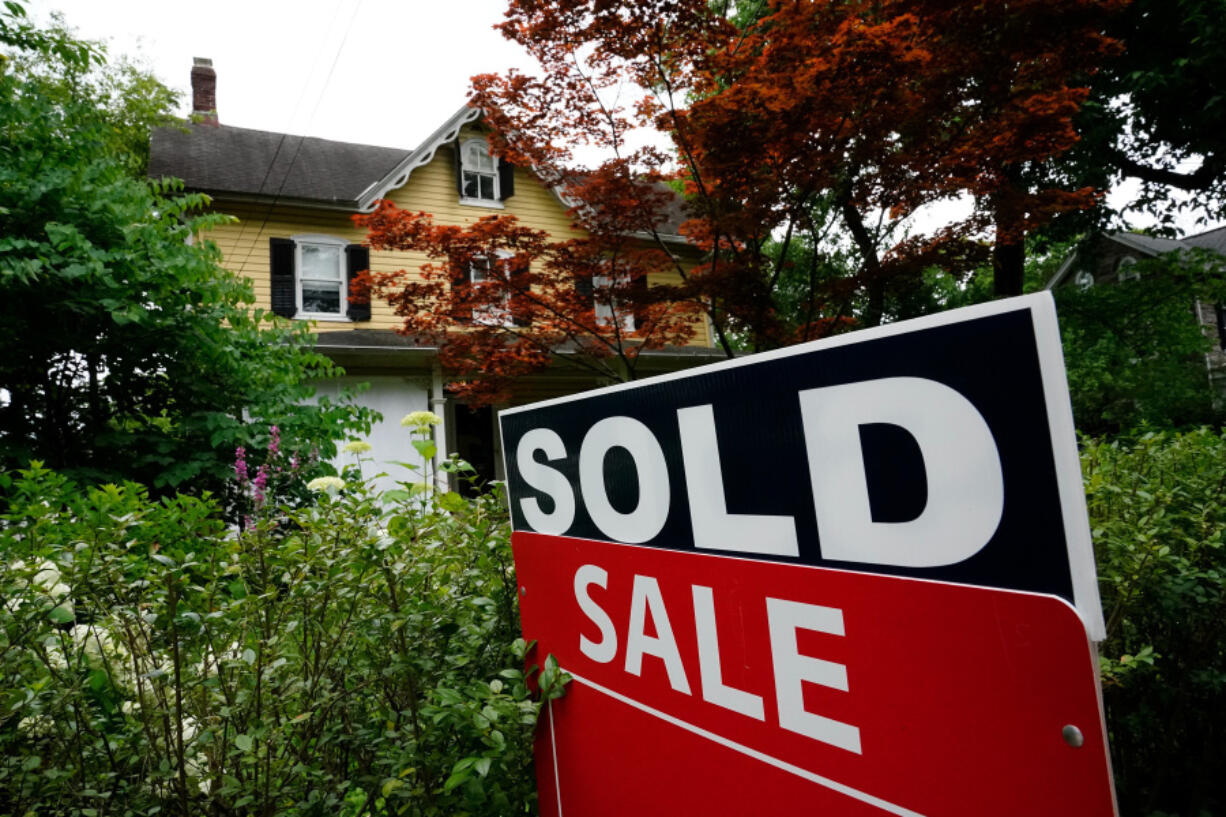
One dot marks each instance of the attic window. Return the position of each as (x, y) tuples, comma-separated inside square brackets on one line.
[(1084, 280), (480, 172), (481, 179)]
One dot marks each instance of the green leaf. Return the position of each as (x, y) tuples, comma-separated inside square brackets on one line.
[(243, 742), (451, 501), (426, 448), (61, 613)]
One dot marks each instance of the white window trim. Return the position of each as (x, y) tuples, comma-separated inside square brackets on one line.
[(1083, 280), (487, 316), (496, 201), (606, 311), (327, 240), (1126, 269)]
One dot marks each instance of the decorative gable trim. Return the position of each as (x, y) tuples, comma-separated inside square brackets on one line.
[(399, 175)]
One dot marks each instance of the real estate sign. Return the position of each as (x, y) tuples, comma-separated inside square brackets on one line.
[(852, 576)]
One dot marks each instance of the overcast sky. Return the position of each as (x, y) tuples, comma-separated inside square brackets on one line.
[(380, 72)]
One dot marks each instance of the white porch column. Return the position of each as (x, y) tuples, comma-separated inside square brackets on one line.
[(438, 405)]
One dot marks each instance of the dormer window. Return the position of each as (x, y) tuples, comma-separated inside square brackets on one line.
[(480, 171), (481, 179), (1126, 269)]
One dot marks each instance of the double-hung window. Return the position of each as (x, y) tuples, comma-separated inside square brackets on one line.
[(479, 173), (608, 308), (322, 284), (309, 277), (482, 180), (491, 271)]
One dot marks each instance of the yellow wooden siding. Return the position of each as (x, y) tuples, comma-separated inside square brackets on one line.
[(431, 188)]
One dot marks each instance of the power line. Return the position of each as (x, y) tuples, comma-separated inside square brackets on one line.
[(301, 139)]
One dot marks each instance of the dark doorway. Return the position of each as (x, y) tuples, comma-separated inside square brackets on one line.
[(474, 442)]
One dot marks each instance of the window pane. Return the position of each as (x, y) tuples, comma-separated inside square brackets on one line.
[(321, 297), (471, 188), (321, 261), (480, 270), (487, 187)]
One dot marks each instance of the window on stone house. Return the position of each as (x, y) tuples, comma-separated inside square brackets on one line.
[(1126, 269)]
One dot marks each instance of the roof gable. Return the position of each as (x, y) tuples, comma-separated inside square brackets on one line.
[(399, 175)]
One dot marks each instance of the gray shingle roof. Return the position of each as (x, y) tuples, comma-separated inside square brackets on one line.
[(1146, 243), (240, 161), (260, 163), (1214, 239)]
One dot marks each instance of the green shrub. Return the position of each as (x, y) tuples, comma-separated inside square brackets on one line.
[(356, 655), (1157, 508)]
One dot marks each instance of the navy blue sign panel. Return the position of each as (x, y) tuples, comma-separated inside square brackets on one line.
[(940, 448)]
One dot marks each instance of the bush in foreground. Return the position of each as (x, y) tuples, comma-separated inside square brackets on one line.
[(1158, 509), (358, 655)]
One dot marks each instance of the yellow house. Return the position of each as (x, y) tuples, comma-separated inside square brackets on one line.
[(294, 197)]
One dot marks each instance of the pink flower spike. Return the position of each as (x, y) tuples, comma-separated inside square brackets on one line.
[(240, 464), (260, 483)]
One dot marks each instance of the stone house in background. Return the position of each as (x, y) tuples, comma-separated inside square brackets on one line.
[(294, 238), (1112, 258)]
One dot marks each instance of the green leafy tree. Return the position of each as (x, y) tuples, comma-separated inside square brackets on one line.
[(128, 352), (125, 97), (1134, 351)]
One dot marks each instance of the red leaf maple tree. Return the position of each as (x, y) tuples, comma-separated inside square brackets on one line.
[(777, 118)]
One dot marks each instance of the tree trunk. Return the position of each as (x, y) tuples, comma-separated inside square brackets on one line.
[(874, 283), (1008, 264)]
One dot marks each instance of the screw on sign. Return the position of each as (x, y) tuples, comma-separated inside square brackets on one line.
[(850, 577)]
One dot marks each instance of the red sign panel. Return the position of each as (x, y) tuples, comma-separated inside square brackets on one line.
[(716, 685)]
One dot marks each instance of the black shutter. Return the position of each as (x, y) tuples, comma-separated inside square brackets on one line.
[(459, 168), (638, 287), (282, 285), (357, 259), (519, 283), (462, 315), (506, 179), (583, 286)]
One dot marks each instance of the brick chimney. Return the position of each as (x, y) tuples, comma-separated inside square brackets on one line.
[(204, 92)]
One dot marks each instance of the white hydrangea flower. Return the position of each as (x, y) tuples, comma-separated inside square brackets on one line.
[(420, 420), (356, 447), (329, 485)]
